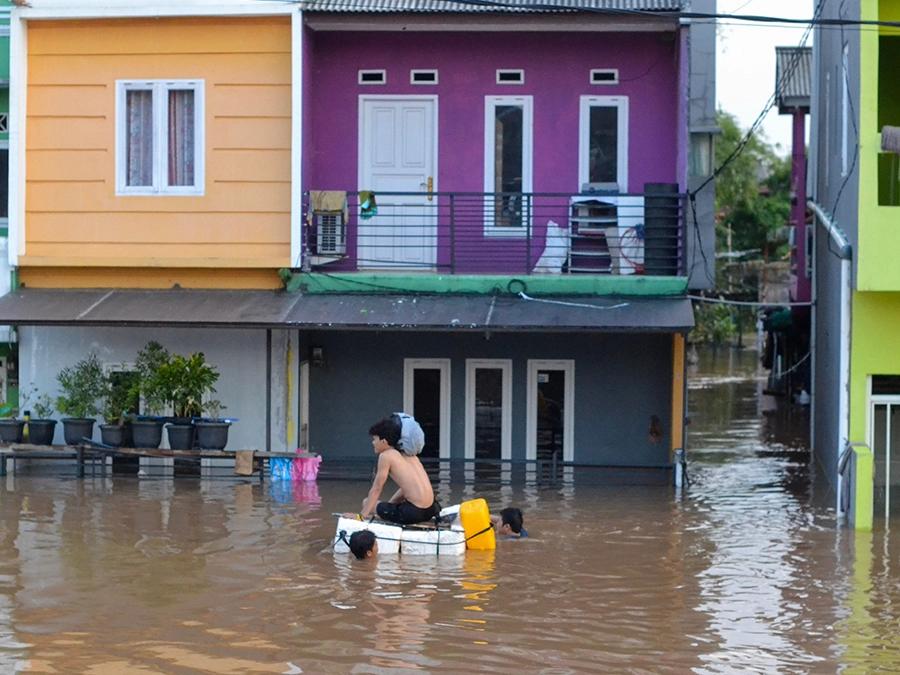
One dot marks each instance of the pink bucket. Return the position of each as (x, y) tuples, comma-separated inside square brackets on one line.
[(305, 468)]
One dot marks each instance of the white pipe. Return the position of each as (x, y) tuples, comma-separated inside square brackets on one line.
[(845, 254)]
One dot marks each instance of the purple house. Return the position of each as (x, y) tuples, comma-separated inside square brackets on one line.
[(496, 224)]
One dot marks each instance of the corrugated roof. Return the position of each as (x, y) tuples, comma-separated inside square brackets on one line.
[(438, 6), (793, 78), (268, 309)]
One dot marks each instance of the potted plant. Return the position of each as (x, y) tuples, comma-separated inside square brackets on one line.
[(11, 427), (121, 399), (83, 386), (186, 380), (40, 427), (147, 430), (212, 431)]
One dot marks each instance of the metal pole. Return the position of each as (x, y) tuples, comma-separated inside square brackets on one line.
[(268, 389)]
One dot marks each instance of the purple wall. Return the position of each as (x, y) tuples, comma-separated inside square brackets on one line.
[(556, 69)]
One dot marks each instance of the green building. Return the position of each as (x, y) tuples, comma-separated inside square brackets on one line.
[(855, 181)]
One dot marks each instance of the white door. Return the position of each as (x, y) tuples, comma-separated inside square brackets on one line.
[(398, 153), (884, 425), (550, 418)]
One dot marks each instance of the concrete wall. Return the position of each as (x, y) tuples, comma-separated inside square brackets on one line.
[(620, 381), (700, 245), (826, 182), (240, 356)]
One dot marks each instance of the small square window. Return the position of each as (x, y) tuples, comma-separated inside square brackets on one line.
[(372, 77), (423, 77), (604, 76), (510, 76), (159, 137)]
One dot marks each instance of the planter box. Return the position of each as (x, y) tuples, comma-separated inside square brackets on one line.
[(11, 431), (146, 433), (77, 428), (112, 434), (212, 435), (181, 436), (40, 432)]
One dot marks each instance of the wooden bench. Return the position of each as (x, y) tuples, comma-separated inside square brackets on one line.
[(84, 453)]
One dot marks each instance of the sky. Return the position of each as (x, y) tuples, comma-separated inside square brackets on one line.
[(745, 65)]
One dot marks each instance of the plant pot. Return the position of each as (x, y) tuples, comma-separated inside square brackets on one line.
[(112, 434), (212, 435), (127, 436), (146, 433), (40, 432), (77, 428), (11, 430), (181, 436)]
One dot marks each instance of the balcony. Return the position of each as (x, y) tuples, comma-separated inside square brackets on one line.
[(594, 233)]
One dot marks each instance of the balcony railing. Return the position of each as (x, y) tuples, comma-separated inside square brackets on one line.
[(497, 233)]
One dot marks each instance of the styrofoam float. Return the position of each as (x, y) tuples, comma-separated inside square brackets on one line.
[(469, 528)]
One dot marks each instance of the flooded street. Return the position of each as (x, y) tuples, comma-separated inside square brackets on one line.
[(744, 570)]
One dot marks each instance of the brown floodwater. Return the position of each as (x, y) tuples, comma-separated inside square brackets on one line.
[(745, 570)]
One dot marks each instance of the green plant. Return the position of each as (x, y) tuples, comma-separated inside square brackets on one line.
[(122, 396), (83, 386), (43, 407), (186, 380), (214, 409), (148, 383)]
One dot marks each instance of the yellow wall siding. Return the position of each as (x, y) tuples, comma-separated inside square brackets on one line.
[(148, 277), (243, 217)]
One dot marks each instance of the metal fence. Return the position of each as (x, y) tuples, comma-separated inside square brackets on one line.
[(499, 233)]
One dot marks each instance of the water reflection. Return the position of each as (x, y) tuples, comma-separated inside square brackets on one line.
[(744, 571)]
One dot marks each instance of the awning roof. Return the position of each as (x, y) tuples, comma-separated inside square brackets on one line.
[(270, 309), (444, 6)]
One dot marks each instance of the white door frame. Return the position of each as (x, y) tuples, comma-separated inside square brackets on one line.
[(568, 367), (360, 135), (443, 365), (584, 121), (888, 400), (505, 366)]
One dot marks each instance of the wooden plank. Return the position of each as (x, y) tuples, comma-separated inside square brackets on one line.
[(233, 275), (250, 132), (158, 36), (211, 254), (92, 197), (140, 228), (105, 69), (71, 100)]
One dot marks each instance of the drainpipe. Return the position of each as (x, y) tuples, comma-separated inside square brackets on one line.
[(844, 252)]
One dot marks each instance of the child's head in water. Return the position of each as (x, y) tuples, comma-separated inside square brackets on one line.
[(363, 544), (511, 522)]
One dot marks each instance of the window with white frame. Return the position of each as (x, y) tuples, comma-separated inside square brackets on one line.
[(508, 132), (603, 141), (159, 137)]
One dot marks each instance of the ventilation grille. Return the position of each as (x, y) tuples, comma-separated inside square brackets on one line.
[(604, 76), (372, 77), (330, 234), (510, 77), (423, 77)]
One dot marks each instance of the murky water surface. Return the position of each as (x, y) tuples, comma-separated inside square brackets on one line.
[(744, 571)]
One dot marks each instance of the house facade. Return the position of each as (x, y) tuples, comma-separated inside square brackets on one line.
[(856, 196), (475, 215)]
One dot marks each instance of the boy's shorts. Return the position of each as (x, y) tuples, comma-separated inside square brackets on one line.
[(406, 513)]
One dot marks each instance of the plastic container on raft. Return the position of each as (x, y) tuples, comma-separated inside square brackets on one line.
[(432, 542), (476, 520), (388, 536)]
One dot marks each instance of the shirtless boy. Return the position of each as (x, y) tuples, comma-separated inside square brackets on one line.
[(414, 502)]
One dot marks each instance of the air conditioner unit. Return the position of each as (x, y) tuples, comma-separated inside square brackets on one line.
[(331, 234)]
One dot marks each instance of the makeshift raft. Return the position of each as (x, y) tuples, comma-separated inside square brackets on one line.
[(467, 525)]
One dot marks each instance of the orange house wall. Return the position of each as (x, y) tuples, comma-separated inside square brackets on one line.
[(236, 233)]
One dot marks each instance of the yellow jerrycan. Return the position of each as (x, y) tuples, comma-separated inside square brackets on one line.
[(476, 521)]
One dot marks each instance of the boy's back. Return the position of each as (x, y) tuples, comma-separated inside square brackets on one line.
[(410, 476)]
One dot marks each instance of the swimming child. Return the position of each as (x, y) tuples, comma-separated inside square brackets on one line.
[(509, 522), (363, 544)]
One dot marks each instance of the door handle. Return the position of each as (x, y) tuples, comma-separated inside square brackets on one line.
[(429, 187)]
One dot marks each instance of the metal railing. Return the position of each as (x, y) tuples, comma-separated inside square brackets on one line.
[(497, 233)]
